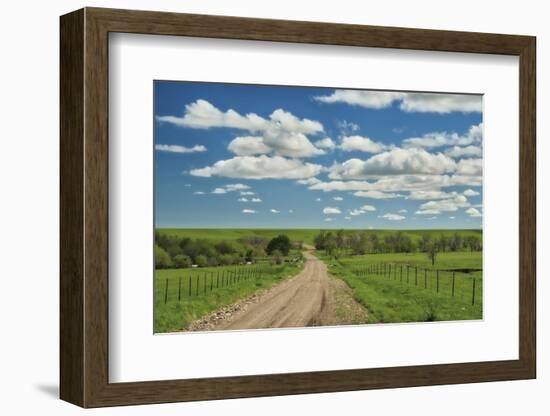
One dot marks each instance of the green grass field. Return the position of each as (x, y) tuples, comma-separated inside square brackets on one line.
[(390, 295), (188, 301), (304, 235)]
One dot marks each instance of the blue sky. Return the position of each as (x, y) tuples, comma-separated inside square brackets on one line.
[(253, 156)]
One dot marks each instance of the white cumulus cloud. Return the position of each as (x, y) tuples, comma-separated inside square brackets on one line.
[(308, 181), (409, 102), (362, 210), (248, 211), (431, 195), (361, 144), (439, 139), (236, 187), (232, 187), (325, 143), (392, 217), (470, 192), (282, 134), (394, 162), (248, 146), (331, 211), (174, 148), (470, 167), (367, 99), (467, 151), (443, 205), (473, 212), (259, 167), (377, 195)]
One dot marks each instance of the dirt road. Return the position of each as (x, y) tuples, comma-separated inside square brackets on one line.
[(311, 298)]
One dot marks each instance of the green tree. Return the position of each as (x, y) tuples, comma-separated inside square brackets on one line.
[(473, 243), (225, 259), (432, 248), (224, 247), (424, 242), (374, 242), (162, 258), (181, 261), (456, 242), (281, 243), (330, 247), (320, 240), (359, 243), (201, 260)]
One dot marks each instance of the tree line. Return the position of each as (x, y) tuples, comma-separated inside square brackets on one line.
[(336, 243), (181, 252)]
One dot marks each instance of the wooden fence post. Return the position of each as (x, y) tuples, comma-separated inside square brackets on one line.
[(416, 275), (197, 288), (453, 290), (179, 289), (189, 285), (437, 274), (166, 291), (473, 290)]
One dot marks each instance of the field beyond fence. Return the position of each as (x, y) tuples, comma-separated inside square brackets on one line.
[(450, 283), (406, 287)]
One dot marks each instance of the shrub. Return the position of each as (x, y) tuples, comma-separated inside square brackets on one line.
[(277, 257), (181, 261), (281, 243), (162, 258), (224, 247), (201, 261)]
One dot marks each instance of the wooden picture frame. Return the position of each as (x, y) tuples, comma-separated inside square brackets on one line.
[(84, 207)]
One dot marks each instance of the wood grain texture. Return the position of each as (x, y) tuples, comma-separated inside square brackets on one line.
[(84, 207), (71, 208)]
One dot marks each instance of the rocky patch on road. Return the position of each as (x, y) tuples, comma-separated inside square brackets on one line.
[(209, 322)]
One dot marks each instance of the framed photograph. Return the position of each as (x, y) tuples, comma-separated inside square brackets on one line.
[(260, 207)]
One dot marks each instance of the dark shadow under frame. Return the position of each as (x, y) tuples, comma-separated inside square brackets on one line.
[(84, 207)]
